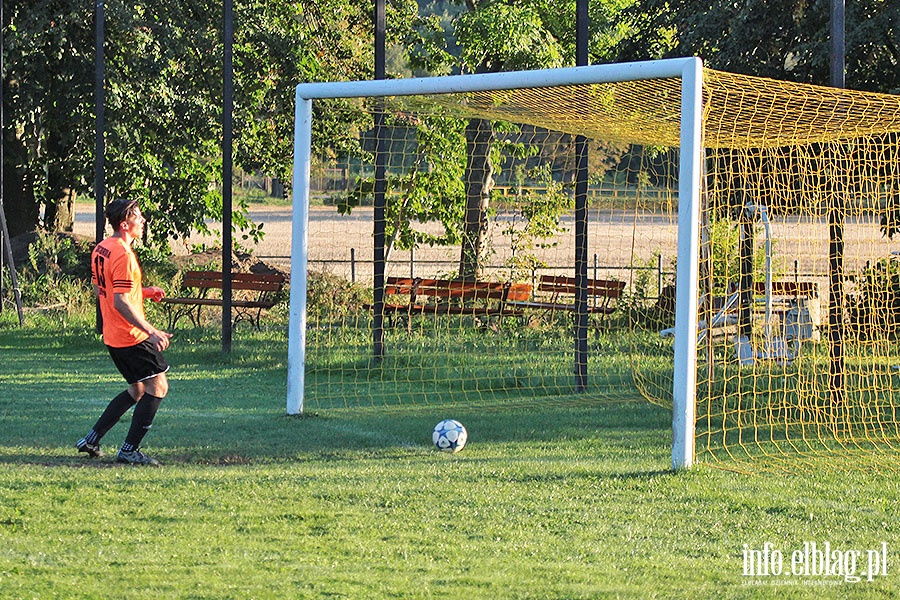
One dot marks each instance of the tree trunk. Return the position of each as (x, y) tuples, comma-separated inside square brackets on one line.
[(277, 189), (479, 182), (22, 212), (59, 202), (60, 215)]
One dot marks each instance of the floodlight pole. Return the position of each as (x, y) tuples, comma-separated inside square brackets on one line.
[(838, 44), (100, 141), (380, 192), (836, 219), (227, 172), (581, 215)]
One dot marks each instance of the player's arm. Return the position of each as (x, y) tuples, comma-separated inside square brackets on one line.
[(132, 315), (154, 293)]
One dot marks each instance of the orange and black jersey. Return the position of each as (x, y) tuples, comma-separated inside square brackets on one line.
[(115, 270)]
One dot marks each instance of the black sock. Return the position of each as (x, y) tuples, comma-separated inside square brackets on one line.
[(117, 407), (141, 421)]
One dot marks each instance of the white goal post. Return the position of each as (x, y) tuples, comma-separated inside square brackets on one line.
[(690, 72)]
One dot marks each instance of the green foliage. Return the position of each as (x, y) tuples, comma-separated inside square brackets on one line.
[(65, 295), (163, 99), (57, 274), (784, 40), (637, 306), (491, 37), (57, 255), (157, 266), (428, 189), (536, 223), (874, 308), (497, 36), (456, 36), (48, 82), (331, 296), (431, 189), (280, 44), (725, 259)]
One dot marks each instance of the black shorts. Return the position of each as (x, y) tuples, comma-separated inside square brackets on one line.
[(139, 362)]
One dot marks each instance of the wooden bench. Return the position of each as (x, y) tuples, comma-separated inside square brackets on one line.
[(251, 294), (558, 295), (788, 289), (792, 303), (452, 297)]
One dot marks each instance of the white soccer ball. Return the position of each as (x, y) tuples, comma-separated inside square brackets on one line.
[(449, 436)]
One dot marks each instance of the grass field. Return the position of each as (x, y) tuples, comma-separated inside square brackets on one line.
[(563, 499)]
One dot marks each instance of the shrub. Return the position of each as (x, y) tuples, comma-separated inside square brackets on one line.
[(874, 309), (330, 295), (57, 273)]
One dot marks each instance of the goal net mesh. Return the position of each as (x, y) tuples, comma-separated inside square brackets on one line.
[(800, 291)]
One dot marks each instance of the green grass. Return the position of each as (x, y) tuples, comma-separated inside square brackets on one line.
[(564, 497), (451, 361)]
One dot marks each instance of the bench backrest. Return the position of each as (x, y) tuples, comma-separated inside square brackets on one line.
[(263, 282), (794, 289), (560, 284), (453, 288)]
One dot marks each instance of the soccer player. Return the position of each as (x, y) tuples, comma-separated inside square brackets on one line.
[(134, 344)]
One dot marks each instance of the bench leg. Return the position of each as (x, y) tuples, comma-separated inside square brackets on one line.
[(175, 313), (170, 316), (195, 319), (239, 315)]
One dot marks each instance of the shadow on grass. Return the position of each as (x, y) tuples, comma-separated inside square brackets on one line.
[(607, 433), (225, 410), (52, 460)]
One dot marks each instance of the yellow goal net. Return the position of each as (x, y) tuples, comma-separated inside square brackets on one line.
[(515, 238)]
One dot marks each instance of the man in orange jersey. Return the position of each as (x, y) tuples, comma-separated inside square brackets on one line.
[(134, 344)]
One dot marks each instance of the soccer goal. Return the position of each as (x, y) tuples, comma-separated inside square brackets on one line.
[(711, 241)]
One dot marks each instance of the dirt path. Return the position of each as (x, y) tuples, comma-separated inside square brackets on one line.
[(343, 244)]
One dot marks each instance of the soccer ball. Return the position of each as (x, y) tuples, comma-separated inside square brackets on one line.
[(449, 436)]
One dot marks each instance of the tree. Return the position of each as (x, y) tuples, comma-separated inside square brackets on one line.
[(164, 96), (787, 40), (283, 43), (782, 40), (47, 85), (163, 112), (491, 36)]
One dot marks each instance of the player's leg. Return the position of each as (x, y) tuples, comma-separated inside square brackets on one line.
[(144, 368), (155, 389), (116, 408)]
